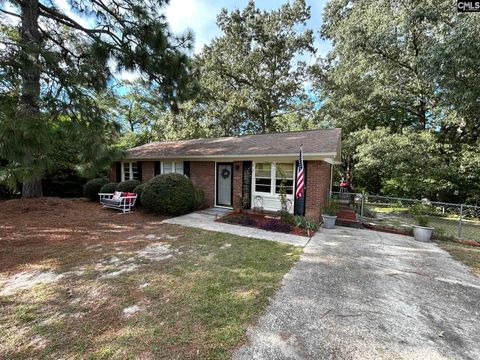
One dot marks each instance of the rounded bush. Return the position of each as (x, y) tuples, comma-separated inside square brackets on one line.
[(92, 188), (139, 190), (127, 186), (169, 194), (198, 198), (108, 188)]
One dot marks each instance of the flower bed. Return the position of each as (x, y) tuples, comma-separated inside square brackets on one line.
[(264, 222)]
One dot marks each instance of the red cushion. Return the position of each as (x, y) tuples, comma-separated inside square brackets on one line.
[(131, 194)]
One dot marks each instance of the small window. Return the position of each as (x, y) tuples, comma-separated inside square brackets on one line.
[(172, 167), (134, 171), (129, 171), (167, 167), (284, 172), (126, 171), (263, 177), (179, 167)]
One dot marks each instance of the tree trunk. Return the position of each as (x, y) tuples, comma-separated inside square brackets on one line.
[(32, 189), (28, 108), (422, 115)]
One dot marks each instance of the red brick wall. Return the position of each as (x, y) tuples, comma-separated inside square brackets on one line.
[(148, 170), (202, 174), (317, 187), (237, 183)]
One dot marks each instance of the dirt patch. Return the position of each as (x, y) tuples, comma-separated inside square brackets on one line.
[(157, 252), (26, 280), (129, 311)]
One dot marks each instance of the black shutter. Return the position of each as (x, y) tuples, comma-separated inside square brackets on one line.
[(299, 207), (118, 171), (157, 168), (139, 170), (247, 183), (186, 168)]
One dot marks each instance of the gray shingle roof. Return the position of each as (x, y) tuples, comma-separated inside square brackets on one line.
[(321, 141)]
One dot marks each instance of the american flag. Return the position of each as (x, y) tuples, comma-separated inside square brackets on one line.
[(300, 176)]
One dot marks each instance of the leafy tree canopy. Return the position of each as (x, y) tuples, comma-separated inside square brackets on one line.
[(252, 76), (401, 64)]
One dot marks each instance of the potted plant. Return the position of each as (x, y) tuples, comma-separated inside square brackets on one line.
[(421, 230), (329, 214)]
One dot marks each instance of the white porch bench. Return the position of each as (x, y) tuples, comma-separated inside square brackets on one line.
[(123, 203)]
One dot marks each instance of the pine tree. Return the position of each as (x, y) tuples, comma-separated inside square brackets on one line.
[(54, 64)]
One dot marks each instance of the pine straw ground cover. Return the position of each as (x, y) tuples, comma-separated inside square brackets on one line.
[(78, 281)]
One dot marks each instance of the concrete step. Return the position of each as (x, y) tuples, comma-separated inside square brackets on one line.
[(348, 217)]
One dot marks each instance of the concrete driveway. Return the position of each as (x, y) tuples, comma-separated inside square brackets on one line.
[(359, 294)]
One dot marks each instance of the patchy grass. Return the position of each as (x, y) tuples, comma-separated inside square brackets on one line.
[(127, 286), (467, 254)]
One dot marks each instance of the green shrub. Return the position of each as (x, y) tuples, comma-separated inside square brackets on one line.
[(286, 217), (108, 188), (127, 186), (305, 223), (331, 208), (92, 188), (422, 220), (169, 194), (199, 198), (420, 213), (139, 190)]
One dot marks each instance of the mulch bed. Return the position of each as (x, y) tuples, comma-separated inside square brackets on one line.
[(263, 222), (387, 229)]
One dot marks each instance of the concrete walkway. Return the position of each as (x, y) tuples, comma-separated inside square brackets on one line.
[(359, 294), (206, 220)]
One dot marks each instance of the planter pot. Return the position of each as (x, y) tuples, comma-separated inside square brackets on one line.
[(329, 221), (421, 233)]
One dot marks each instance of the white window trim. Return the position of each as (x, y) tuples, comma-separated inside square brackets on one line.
[(273, 176), (130, 172), (174, 166)]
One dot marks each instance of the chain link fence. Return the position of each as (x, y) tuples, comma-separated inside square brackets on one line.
[(453, 221)]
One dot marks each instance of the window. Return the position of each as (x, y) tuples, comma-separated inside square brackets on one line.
[(263, 177), (179, 167), (134, 170), (129, 171), (172, 167), (167, 167), (284, 172)]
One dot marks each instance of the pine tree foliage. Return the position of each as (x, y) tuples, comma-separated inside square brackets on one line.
[(56, 63)]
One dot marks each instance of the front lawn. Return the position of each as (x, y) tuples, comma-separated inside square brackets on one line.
[(467, 254), (78, 281)]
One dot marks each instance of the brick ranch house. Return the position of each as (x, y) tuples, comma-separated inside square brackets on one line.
[(249, 167)]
